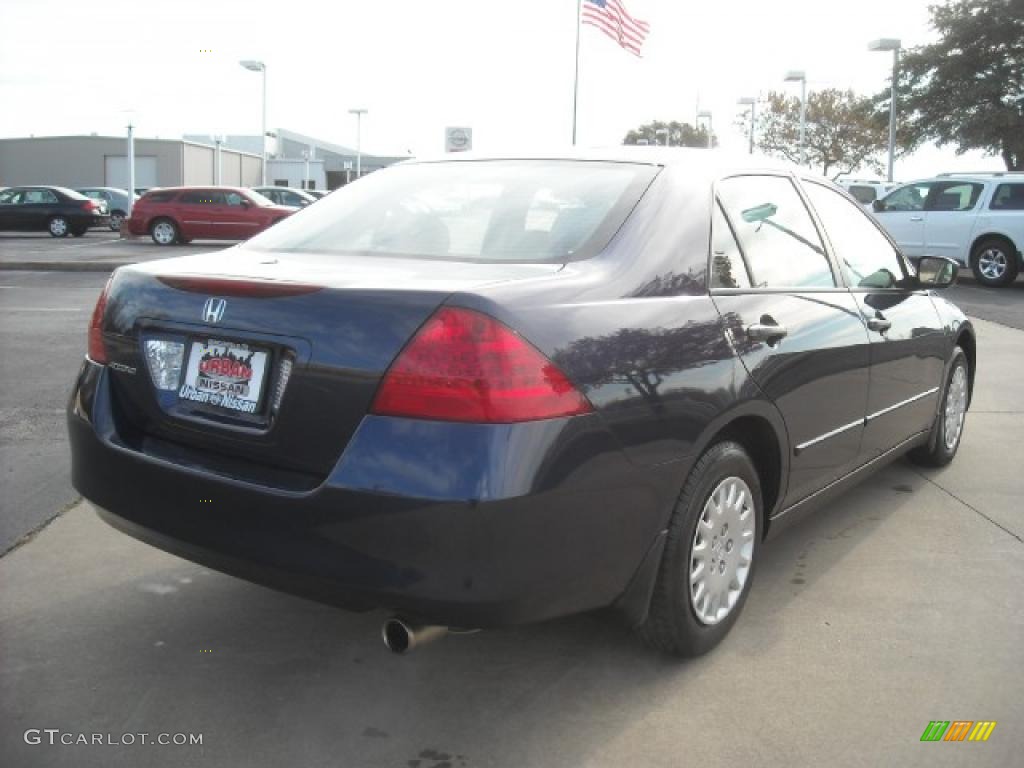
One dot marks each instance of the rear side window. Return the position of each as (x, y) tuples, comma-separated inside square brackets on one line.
[(728, 269), (158, 197), (953, 196), (1008, 197), (866, 256), (202, 197), (40, 196), (775, 232), (490, 210)]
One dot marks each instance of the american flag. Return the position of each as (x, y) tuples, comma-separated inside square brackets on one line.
[(612, 18)]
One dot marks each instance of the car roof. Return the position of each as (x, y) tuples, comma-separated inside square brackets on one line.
[(63, 190), (697, 160), (199, 186)]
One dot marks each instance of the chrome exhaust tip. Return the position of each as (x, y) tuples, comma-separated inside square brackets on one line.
[(401, 636)]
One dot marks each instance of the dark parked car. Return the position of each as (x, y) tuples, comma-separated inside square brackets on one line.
[(54, 209), (181, 214), (481, 392), (297, 198), (116, 200)]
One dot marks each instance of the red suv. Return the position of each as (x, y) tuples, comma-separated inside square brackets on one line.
[(181, 214)]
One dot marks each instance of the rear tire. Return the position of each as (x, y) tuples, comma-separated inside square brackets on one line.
[(78, 232), (58, 226), (164, 232), (948, 429), (115, 221), (994, 262), (704, 578)]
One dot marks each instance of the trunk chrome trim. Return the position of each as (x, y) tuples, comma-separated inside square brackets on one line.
[(902, 403)]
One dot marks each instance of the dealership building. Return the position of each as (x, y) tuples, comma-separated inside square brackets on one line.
[(102, 161), (293, 160)]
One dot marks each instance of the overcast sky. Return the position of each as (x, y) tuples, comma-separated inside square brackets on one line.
[(504, 68)]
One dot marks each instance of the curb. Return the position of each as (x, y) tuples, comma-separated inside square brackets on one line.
[(63, 266)]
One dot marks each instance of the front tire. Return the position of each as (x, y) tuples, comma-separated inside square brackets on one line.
[(708, 564), (58, 226), (948, 428), (994, 262), (164, 232)]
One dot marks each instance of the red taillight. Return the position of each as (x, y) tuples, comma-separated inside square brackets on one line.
[(465, 366), (237, 287), (90, 205), (97, 350)]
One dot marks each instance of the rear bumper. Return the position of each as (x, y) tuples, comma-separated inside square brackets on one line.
[(462, 525)]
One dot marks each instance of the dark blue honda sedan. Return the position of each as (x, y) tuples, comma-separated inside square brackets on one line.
[(485, 391)]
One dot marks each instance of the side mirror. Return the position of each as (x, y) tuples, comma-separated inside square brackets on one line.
[(936, 272), (878, 206)]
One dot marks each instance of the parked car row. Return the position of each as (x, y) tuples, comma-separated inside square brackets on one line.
[(976, 219), (169, 215)]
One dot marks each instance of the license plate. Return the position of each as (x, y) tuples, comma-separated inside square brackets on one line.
[(225, 375)]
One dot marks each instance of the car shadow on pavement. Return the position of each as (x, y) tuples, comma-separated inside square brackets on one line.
[(170, 644)]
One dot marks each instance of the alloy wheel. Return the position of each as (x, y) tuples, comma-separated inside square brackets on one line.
[(722, 550), (58, 227), (956, 407), (992, 263), (115, 221)]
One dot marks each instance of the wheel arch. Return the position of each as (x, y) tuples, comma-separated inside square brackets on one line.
[(994, 235), (759, 428), (969, 344)]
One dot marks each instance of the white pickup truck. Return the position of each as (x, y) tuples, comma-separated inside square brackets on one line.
[(977, 219)]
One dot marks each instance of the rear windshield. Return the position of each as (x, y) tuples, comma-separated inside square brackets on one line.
[(487, 210)]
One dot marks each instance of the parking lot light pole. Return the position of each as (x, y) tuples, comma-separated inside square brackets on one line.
[(131, 168), (705, 115), (750, 101), (890, 44), (359, 140), (798, 75), (259, 66)]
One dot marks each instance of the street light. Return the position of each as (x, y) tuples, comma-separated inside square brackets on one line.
[(660, 131), (259, 66), (359, 139), (798, 75), (890, 44), (750, 101), (704, 114)]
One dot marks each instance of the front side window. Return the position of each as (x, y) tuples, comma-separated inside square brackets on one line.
[(491, 210), (776, 233), (862, 193), (953, 196), (866, 256), (908, 198), (233, 198), (1008, 197)]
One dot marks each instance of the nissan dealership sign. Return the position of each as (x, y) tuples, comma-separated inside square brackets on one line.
[(458, 139)]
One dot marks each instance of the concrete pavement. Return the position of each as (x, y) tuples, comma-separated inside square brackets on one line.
[(898, 605)]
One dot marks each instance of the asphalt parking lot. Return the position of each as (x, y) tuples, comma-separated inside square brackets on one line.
[(898, 605)]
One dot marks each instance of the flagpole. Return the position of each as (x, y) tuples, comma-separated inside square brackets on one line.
[(576, 78)]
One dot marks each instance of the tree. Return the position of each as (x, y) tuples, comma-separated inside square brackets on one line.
[(967, 89), (843, 132), (679, 135)]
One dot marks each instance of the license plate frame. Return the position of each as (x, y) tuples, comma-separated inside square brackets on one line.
[(227, 378)]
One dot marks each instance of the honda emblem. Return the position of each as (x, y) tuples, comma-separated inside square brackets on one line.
[(213, 310)]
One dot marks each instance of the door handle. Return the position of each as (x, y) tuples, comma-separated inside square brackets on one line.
[(766, 331), (879, 323), (917, 218)]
